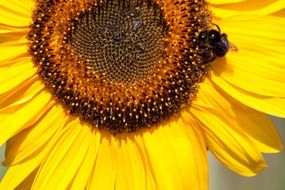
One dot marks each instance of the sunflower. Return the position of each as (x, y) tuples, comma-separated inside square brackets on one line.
[(132, 94)]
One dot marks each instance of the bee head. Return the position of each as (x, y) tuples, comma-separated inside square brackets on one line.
[(212, 44)]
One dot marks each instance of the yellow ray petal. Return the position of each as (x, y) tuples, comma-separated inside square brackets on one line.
[(10, 33), (195, 163), (217, 2), (264, 78), (106, 165), (9, 28), (9, 52), (64, 160), (280, 13), (270, 105), (31, 140), (257, 126), (17, 173), (28, 182), (233, 148), (131, 166), (13, 39), (15, 59), (149, 179), (265, 7), (164, 172), (257, 66), (8, 16), (173, 156), (20, 15), (256, 26), (21, 94), (21, 7), (85, 170), (12, 123), (14, 75)]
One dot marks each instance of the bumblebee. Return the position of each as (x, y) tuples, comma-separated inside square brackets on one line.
[(212, 43)]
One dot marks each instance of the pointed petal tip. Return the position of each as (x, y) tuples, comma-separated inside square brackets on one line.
[(277, 149), (259, 167)]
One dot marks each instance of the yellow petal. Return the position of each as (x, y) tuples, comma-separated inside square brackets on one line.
[(16, 174), (28, 182), (280, 13), (150, 182), (269, 105), (85, 170), (12, 123), (217, 2), (9, 28), (106, 165), (15, 59), (256, 67), (19, 176), (65, 158), (12, 49), (230, 8), (264, 78), (174, 155), (21, 93), (15, 75), (253, 26), (131, 166), (16, 13), (257, 126), (233, 148), (31, 140), (197, 140), (19, 37)]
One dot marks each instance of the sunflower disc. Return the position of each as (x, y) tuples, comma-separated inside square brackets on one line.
[(120, 65)]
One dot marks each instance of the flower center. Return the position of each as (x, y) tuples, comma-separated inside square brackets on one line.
[(121, 65), (121, 40)]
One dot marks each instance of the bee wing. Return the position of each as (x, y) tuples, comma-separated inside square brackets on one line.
[(233, 47)]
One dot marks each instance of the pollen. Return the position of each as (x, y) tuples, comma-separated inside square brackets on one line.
[(120, 65)]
